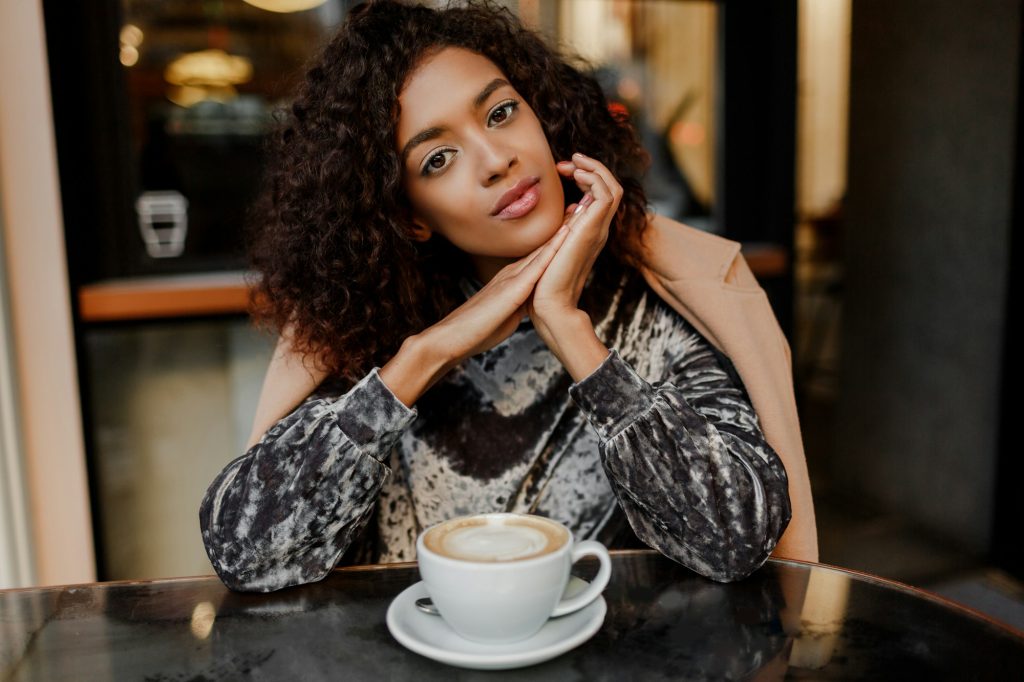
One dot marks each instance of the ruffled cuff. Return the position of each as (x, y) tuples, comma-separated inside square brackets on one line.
[(370, 411), (613, 396)]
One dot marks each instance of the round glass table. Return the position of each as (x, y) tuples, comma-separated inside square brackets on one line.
[(789, 619)]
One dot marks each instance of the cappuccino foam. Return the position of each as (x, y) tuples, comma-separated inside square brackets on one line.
[(495, 539)]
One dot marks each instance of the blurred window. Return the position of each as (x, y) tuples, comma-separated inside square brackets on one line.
[(203, 77)]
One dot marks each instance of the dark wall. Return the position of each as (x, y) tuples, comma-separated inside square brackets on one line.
[(933, 94), (1008, 536)]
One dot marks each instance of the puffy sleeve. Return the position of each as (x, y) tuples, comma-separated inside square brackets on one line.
[(687, 460), (283, 513)]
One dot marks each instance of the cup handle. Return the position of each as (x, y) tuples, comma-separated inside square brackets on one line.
[(580, 550)]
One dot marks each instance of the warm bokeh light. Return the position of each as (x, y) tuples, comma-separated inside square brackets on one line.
[(129, 55), (629, 89), (130, 39), (131, 35), (213, 68), (688, 133), (188, 95), (285, 5)]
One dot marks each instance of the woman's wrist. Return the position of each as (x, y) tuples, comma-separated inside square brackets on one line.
[(418, 365), (571, 337)]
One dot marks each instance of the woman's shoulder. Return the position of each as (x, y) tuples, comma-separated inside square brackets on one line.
[(677, 339), (660, 227), (675, 250)]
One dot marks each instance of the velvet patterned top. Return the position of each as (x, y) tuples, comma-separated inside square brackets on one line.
[(659, 446)]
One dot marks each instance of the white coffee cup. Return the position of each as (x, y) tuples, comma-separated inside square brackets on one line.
[(497, 578)]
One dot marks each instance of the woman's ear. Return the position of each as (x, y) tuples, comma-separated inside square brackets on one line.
[(418, 229), (420, 232)]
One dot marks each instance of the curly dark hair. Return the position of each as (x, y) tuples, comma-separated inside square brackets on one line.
[(333, 243)]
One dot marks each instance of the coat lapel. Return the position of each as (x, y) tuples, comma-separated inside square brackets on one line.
[(706, 279)]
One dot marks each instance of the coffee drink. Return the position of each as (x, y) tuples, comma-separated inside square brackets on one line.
[(497, 578), (495, 538)]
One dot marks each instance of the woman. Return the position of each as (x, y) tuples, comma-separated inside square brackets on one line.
[(450, 243)]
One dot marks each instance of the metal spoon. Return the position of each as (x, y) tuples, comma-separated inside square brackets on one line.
[(427, 606)]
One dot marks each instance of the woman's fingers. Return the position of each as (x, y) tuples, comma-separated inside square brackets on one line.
[(593, 182), (541, 260), (592, 175), (548, 247), (529, 275), (602, 171)]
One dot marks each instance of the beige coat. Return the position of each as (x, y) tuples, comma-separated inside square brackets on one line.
[(706, 279)]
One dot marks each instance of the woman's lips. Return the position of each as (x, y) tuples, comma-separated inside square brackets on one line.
[(526, 202)]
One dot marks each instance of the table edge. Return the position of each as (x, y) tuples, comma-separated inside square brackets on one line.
[(920, 591), (863, 575)]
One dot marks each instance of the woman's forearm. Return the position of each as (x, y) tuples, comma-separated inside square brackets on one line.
[(420, 363), (572, 339), (284, 512), (289, 380), (688, 462)]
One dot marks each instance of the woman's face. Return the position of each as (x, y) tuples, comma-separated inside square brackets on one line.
[(465, 138)]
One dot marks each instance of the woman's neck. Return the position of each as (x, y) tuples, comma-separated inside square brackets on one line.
[(486, 267)]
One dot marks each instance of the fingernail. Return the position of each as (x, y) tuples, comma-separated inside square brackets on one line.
[(579, 208), (577, 155), (587, 199)]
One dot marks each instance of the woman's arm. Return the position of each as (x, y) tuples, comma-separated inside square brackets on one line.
[(290, 378), (686, 458), (283, 513), (479, 324), (688, 462)]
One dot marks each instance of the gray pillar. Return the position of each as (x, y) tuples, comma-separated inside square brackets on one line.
[(932, 126)]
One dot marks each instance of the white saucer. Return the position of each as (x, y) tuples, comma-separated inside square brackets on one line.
[(430, 636)]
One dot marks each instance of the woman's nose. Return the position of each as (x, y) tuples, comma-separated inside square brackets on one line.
[(496, 160)]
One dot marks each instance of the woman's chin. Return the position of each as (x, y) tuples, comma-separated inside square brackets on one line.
[(520, 237), (542, 228), (531, 242)]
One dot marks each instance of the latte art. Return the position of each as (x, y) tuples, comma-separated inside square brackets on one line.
[(494, 540), (486, 543)]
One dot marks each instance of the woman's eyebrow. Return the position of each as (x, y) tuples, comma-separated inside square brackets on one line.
[(436, 131)]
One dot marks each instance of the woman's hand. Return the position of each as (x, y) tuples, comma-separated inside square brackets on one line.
[(558, 290), (486, 319), (491, 315)]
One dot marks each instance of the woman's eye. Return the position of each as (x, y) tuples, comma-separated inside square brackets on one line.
[(506, 108), (436, 162)]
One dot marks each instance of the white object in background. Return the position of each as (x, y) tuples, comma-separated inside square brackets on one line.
[(163, 222)]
